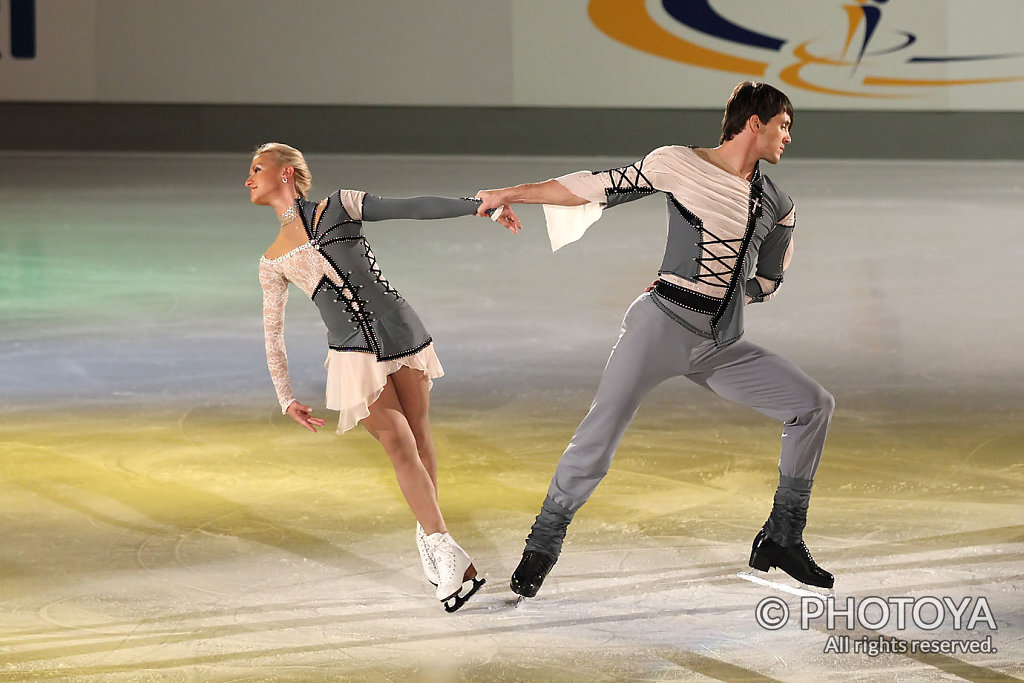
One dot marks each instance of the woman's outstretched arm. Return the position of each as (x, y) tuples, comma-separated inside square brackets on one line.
[(427, 208)]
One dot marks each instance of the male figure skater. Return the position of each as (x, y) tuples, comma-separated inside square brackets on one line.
[(729, 243)]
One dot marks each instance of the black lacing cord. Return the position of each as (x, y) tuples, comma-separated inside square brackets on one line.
[(354, 304), (622, 183), (709, 276), (375, 270)]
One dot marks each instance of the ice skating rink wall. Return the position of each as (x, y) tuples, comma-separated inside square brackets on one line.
[(873, 79)]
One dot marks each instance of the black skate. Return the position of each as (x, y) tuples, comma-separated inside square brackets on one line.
[(529, 575), (795, 560)]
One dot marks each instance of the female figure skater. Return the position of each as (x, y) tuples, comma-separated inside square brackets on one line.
[(381, 359)]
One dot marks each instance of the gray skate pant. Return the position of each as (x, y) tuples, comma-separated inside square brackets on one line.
[(651, 348)]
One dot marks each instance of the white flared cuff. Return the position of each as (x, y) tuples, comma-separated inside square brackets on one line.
[(567, 224)]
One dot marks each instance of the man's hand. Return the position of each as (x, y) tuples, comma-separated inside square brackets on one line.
[(491, 200), (303, 415), (548, 192)]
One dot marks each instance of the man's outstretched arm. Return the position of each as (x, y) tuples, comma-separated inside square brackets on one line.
[(548, 192), (573, 202)]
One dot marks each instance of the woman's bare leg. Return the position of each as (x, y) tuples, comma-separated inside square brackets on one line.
[(413, 389), (388, 424), (456, 576)]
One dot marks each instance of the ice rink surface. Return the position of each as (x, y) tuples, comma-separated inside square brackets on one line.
[(162, 521)]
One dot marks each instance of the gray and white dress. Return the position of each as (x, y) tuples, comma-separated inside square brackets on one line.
[(372, 331)]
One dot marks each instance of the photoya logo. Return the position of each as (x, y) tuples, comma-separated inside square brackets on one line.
[(23, 28), (844, 48)]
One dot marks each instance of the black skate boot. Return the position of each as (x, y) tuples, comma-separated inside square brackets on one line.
[(543, 546), (529, 575), (780, 541), (795, 560)]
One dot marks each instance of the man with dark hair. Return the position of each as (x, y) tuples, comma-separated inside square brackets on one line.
[(729, 243), (753, 99)]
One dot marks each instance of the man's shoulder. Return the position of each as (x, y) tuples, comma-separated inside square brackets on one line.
[(782, 204), (673, 156), (673, 150), (771, 189)]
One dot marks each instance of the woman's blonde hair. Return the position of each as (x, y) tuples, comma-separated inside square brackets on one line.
[(285, 155)]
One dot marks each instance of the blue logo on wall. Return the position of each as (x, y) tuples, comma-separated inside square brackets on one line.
[(23, 29)]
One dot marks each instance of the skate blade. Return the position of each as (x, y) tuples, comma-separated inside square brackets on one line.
[(453, 603), (520, 600), (804, 591)]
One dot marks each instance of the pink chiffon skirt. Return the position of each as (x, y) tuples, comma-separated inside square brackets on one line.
[(355, 380)]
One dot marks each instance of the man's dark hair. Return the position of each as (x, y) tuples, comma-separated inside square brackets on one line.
[(750, 98)]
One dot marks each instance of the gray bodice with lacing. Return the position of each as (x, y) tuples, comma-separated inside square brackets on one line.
[(365, 313)]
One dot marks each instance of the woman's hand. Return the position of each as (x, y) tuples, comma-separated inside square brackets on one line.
[(495, 208), (303, 415), (507, 218)]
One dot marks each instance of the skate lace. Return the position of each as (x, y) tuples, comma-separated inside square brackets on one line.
[(424, 548), (445, 557)]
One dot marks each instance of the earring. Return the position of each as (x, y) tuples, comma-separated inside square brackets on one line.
[(284, 180)]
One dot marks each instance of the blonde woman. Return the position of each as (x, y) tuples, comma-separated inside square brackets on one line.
[(381, 361)]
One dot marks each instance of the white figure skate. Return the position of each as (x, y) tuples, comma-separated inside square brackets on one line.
[(456, 576)]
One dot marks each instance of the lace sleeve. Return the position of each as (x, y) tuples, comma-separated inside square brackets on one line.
[(275, 297)]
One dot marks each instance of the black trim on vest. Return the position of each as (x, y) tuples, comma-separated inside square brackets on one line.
[(307, 221), (395, 356), (324, 233), (403, 354), (350, 238)]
